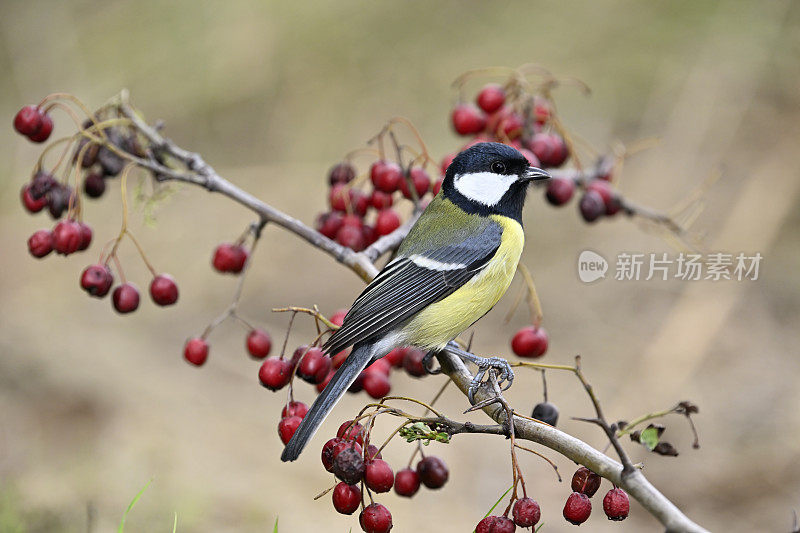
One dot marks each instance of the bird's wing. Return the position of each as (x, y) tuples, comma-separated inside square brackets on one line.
[(410, 283)]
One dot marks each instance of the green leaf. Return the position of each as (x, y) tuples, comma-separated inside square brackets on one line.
[(649, 438), (121, 527), (419, 431)]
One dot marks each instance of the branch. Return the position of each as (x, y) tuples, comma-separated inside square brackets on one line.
[(634, 482)]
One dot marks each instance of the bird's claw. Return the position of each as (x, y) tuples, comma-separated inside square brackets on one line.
[(500, 366), (426, 363)]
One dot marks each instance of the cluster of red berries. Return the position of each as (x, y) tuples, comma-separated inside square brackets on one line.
[(258, 344), (357, 467), (351, 207), (585, 484), (44, 191), (34, 123), (524, 125), (525, 513)]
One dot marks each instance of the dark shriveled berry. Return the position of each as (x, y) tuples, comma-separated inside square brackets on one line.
[(375, 518), (349, 466), (526, 512), (341, 173), (616, 504), (94, 185), (577, 509), (346, 498), (585, 481), (406, 482), (591, 206), (546, 412), (195, 351), (433, 473), (58, 200)]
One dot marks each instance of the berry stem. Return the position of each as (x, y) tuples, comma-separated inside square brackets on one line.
[(533, 298), (534, 452)]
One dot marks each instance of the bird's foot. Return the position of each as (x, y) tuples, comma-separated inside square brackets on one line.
[(426, 363), (498, 365)]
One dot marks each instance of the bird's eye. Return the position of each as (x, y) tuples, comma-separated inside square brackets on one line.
[(498, 167)]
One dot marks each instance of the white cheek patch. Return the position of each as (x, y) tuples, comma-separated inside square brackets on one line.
[(486, 188)]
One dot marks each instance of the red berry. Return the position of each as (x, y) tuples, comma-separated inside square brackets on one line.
[(258, 344), (348, 465), (338, 317), (550, 148), (610, 199), (359, 202), (28, 120), (339, 358), (346, 498), (616, 504), (314, 366), (97, 280), (341, 173), (350, 431), (578, 508), (395, 357), (585, 481), (420, 180), (432, 472), (351, 237), (330, 451), (377, 385), (324, 383), (44, 131), (526, 512), (86, 236), (229, 258), (530, 156), (339, 197), (41, 243), (446, 160), (592, 206), (381, 366), (437, 187), (560, 190), (66, 237), (512, 126), (491, 98), (541, 110), (495, 524), (386, 176), (31, 204), (357, 385), (412, 362), (287, 426), (352, 220), (94, 185), (379, 476), (369, 234), (125, 298), (275, 373), (196, 351), (380, 200), (164, 290), (375, 518), (388, 221), (372, 452), (406, 482), (294, 409), (468, 119), (329, 223), (529, 341)]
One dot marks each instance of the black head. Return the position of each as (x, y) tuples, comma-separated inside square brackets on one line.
[(490, 178)]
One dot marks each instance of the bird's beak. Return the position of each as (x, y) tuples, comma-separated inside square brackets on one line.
[(533, 173)]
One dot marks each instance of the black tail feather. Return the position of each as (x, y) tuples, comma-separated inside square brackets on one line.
[(357, 361)]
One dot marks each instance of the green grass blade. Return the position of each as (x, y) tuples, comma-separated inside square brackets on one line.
[(175, 523), (498, 501), (275, 529), (121, 527)]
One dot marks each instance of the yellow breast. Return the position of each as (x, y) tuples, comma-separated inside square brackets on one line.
[(443, 321)]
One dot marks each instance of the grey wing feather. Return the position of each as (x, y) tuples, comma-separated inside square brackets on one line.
[(403, 288)]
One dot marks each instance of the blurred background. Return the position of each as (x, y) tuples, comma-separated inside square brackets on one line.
[(94, 405)]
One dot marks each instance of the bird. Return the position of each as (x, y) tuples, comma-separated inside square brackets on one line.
[(455, 264)]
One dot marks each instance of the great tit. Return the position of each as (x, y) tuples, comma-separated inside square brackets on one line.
[(454, 265)]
